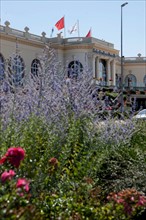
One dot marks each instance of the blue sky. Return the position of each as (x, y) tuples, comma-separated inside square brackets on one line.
[(104, 17)]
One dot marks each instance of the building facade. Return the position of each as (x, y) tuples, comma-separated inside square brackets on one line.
[(75, 54)]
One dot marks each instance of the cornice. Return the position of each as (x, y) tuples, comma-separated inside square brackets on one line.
[(135, 64), (22, 41), (81, 46), (57, 45), (85, 46), (28, 42), (99, 47)]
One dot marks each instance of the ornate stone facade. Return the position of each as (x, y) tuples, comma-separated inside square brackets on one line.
[(99, 55)]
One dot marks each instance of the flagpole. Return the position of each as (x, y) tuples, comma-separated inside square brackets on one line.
[(51, 35), (64, 28), (78, 28)]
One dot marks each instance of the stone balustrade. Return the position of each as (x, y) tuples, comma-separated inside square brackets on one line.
[(134, 59), (58, 39), (22, 34)]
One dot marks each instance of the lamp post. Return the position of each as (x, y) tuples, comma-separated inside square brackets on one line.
[(122, 102)]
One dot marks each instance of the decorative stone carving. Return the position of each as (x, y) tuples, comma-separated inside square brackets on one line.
[(26, 34), (26, 29), (43, 37), (7, 23), (43, 34), (7, 28)]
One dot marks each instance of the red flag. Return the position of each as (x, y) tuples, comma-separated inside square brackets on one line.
[(60, 24), (89, 33)]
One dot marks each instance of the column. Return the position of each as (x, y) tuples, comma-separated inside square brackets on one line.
[(93, 66), (109, 77), (97, 68), (113, 73)]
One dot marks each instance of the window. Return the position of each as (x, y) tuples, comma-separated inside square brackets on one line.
[(35, 67), (17, 67), (130, 81), (2, 67), (74, 68)]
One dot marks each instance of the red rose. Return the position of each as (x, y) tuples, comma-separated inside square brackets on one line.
[(7, 175), (14, 155), (22, 183), (3, 160), (53, 161)]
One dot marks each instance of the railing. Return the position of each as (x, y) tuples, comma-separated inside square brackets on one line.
[(23, 34), (134, 59), (2, 29), (103, 42), (35, 37), (17, 33), (75, 40), (81, 40)]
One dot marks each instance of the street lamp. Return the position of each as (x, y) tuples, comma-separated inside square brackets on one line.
[(122, 102)]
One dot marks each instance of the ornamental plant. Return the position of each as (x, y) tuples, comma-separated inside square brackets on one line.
[(7, 175), (50, 93), (73, 159), (53, 161), (14, 156), (14, 191), (131, 200), (22, 185), (57, 99)]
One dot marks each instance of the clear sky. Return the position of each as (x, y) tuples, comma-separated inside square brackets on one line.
[(104, 17)]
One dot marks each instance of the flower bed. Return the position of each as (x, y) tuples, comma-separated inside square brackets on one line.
[(58, 162)]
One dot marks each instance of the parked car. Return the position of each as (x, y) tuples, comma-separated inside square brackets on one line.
[(141, 114)]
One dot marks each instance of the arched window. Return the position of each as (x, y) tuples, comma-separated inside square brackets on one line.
[(144, 80), (130, 81), (2, 67), (16, 69), (35, 67), (74, 68)]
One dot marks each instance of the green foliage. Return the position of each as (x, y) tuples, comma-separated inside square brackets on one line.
[(77, 185), (113, 95), (73, 160), (139, 138), (122, 168)]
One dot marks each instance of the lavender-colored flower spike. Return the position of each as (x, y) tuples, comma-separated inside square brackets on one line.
[(50, 93)]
